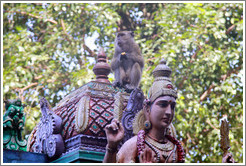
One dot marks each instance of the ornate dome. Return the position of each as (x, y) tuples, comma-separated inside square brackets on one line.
[(84, 113)]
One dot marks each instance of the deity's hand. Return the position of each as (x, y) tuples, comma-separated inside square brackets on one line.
[(114, 133), (227, 158), (146, 156)]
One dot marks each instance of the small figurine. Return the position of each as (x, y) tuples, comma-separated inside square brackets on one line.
[(13, 124)]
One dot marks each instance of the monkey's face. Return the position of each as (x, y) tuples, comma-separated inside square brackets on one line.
[(123, 38)]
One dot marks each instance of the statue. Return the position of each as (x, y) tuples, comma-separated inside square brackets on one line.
[(155, 137), (156, 140), (13, 125)]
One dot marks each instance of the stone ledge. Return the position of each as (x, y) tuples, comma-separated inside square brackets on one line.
[(81, 156), (15, 156)]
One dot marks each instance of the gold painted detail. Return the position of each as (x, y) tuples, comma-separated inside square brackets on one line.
[(138, 122), (163, 147), (105, 87), (120, 98), (78, 93), (82, 114), (103, 90)]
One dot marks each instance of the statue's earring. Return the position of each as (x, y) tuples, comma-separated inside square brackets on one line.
[(147, 125)]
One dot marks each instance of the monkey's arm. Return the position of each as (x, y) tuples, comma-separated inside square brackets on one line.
[(115, 63), (137, 58)]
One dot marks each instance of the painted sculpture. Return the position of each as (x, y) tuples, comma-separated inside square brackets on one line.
[(13, 125), (134, 105), (156, 139)]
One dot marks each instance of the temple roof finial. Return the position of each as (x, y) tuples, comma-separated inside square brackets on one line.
[(101, 68)]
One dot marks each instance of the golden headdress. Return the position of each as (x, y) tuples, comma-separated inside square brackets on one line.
[(161, 86)]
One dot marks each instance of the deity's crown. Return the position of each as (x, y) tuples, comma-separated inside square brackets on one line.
[(162, 84)]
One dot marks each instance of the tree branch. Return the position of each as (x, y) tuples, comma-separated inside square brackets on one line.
[(31, 15), (21, 90), (208, 121), (235, 71), (29, 86), (230, 29), (207, 92), (233, 26), (63, 26), (189, 138), (92, 53), (223, 77)]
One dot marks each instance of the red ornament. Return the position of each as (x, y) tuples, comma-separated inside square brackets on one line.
[(169, 86)]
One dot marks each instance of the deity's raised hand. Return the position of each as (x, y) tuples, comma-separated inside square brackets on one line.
[(114, 132)]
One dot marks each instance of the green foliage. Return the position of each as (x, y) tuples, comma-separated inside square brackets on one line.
[(45, 54)]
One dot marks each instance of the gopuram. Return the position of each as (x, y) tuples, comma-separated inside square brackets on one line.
[(99, 122)]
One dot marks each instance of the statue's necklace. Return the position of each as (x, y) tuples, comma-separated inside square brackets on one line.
[(161, 146), (166, 154), (141, 145)]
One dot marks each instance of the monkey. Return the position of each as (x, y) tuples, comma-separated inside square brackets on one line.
[(128, 62)]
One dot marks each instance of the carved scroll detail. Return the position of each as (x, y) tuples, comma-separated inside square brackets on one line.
[(48, 138), (134, 105)]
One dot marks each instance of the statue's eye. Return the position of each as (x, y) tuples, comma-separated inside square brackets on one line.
[(164, 104)]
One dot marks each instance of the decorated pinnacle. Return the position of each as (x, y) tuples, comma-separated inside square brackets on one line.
[(162, 70), (101, 68)]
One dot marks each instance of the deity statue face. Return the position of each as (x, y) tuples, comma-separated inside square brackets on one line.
[(162, 112)]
